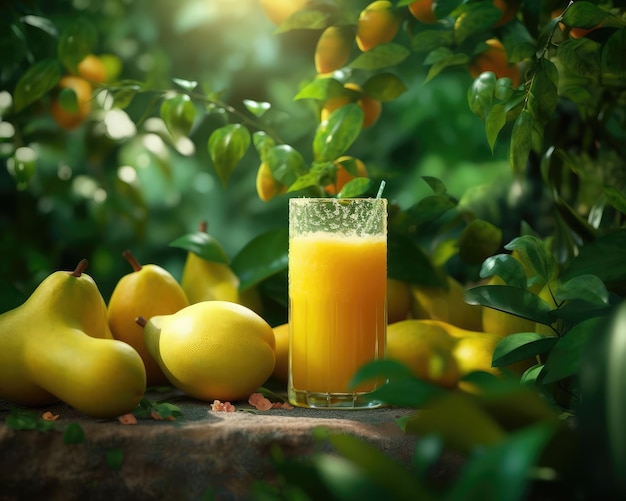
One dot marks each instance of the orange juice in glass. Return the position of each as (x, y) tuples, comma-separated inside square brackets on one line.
[(337, 298)]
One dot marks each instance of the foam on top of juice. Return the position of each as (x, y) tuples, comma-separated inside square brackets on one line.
[(348, 217)]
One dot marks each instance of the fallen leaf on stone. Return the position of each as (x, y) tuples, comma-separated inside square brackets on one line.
[(127, 419), (263, 404), (218, 406), (255, 398)]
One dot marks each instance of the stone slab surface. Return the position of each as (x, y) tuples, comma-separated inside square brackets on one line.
[(203, 451)]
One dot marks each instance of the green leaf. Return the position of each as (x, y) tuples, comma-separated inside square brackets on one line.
[(304, 19), (355, 187), (123, 96), (477, 17), (479, 240), (285, 163), (543, 95), (78, 39), (605, 258), (178, 113), (518, 302), (509, 269), (428, 452), (187, 85), (227, 146), (502, 471), (428, 40), (430, 209), (442, 58), (336, 478), (521, 141), (398, 482), (521, 346), (407, 261), (615, 197), (262, 257), (587, 288), (381, 369), (114, 458), (413, 393), (480, 93), (566, 355), (384, 87), (381, 56), (36, 82), (203, 245), (533, 251), (504, 89), (336, 134), (602, 411), (584, 15), (42, 23), (459, 420), (612, 60), (495, 121), (436, 185), (321, 89), (257, 108), (73, 434), (263, 143)]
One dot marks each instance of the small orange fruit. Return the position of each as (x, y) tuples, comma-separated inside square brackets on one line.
[(509, 10), (333, 49), (495, 59), (377, 24), (422, 10), (371, 107), (267, 187), (91, 68), (70, 119), (279, 10), (343, 175)]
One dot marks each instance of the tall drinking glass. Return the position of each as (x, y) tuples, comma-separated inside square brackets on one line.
[(337, 298)]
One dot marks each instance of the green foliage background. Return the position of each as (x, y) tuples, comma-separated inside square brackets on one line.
[(233, 53)]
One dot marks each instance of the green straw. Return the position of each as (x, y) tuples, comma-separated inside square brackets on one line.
[(380, 189)]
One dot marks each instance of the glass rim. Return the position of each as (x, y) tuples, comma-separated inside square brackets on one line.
[(302, 200)]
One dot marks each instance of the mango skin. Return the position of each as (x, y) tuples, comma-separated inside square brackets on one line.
[(57, 346)]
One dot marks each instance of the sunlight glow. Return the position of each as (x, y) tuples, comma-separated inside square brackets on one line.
[(119, 125), (127, 174)]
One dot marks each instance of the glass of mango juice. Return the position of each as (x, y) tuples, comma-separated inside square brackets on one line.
[(337, 299)]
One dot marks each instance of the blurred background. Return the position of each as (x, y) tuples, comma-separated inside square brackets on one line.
[(114, 183)]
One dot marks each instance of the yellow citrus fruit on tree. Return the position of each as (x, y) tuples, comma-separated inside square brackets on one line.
[(267, 187), (448, 305), (279, 10), (377, 24), (398, 300), (502, 323), (72, 118), (343, 175), (495, 59), (91, 68), (508, 8), (372, 108), (281, 350), (333, 49), (426, 349), (213, 349), (422, 10)]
